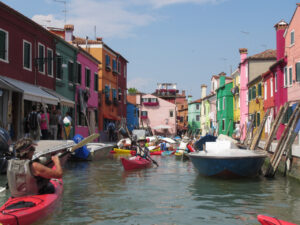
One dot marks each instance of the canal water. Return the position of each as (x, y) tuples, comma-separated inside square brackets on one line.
[(174, 193)]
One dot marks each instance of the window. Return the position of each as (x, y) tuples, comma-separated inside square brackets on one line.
[(80, 117), (87, 77), (297, 71), (78, 73), (59, 70), (290, 76), (254, 92), (107, 60), (197, 106), (271, 87), (50, 62), (254, 119), (96, 82), (259, 89), (249, 95), (258, 119), (106, 92), (285, 77), (223, 125), (27, 52), (171, 113), (114, 94), (119, 67), (70, 71), (114, 65), (265, 90), (197, 117), (275, 78), (3, 45), (292, 37), (224, 103), (41, 58), (144, 113)]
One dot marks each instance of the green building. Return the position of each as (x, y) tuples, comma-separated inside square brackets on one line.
[(194, 113), (66, 79), (225, 107)]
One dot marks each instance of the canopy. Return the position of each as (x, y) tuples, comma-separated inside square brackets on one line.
[(31, 92), (6, 85), (63, 100), (161, 127)]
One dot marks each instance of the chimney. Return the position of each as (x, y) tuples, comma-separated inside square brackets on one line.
[(69, 28), (243, 54), (280, 39), (203, 90), (99, 39), (183, 93), (190, 99)]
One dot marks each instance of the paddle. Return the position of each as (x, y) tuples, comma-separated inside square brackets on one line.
[(148, 156), (79, 145), (72, 149)]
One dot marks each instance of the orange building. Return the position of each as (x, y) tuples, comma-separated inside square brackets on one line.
[(108, 73)]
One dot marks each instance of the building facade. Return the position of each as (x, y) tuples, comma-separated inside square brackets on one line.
[(132, 113), (194, 114), (236, 97)]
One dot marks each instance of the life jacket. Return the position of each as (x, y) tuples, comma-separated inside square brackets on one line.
[(143, 152), (21, 181)]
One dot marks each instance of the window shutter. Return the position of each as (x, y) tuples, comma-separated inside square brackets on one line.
[(259, 89), (2, 44), (297, 71), (290, 75)]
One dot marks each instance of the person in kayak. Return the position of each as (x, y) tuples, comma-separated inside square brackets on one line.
[(27, 177), (142, 150)]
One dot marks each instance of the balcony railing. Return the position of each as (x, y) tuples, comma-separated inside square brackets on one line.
[(150, 103), (144, 117), (108, 68)]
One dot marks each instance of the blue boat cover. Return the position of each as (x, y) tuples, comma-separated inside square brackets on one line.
[(83, 152), (207, 138)]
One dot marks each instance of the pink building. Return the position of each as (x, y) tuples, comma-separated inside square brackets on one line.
[(243, 91), (292, 51), (280, 91), (158, 114), (86, 95)]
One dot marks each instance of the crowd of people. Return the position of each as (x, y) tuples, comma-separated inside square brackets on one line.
[(46, 124)]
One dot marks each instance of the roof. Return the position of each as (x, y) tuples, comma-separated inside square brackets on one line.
[(298, 4), (265, 55), (196, 101)]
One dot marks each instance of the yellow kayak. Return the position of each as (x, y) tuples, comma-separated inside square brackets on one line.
[(127, 151)]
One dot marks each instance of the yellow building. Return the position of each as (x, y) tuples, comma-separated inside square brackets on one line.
[(236, 96), (256, 103)]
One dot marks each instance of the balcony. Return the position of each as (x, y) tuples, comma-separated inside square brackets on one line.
[(107, 101), (115, 71), (108, 68), (144, 117), (150, 103)]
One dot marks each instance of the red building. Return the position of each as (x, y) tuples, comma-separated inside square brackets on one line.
[(26, 61), (122, 86)]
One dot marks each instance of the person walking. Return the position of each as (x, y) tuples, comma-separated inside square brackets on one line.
[(44, 123), (53, 124), (33, 123), (111, 131), (59, 124)]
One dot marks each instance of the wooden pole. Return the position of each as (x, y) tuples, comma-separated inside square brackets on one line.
[(275, 125), (257, 135), (227, 131)]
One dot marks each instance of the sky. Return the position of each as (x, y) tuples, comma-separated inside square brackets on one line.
[(169, 41)]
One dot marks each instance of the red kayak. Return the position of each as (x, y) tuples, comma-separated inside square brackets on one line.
[(135, 163), (29, 209), (267, 220)]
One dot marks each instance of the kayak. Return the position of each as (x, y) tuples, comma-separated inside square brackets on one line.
[(164, 153), (135, 163), (124, 151), (156, 153), (267, 220), (29, 209)]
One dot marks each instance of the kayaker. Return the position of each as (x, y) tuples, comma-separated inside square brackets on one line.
[(142, 150), (26, 177), (124, 143)]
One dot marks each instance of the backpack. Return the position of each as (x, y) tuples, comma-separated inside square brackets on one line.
[(33, 121)]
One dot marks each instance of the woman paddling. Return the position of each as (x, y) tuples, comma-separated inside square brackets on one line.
[(26, 177)]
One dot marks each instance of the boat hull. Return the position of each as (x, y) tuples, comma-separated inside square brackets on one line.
[(266, 220), (135, 164), (44, 206), (228, 167)]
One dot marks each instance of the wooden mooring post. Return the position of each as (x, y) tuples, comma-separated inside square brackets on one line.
[(284, 143), (282, 111), (256, 138), (248, 133)]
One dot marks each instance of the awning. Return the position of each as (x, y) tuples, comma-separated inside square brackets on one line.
[(63, 100), (161, 127), (5, 85), (110, 117), (31, 92)]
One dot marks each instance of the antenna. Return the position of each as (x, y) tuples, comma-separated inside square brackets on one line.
[(95, 32), (65, 10)]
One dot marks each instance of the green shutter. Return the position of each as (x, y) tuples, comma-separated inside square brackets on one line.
[(254, 119), (249, 94), (258, 119), (253, 92), (285, 77), (259, 89), (297, 71), (2, 44), (291, 75)]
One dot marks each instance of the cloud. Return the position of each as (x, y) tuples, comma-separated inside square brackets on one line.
[(48, 20), (142, 84)]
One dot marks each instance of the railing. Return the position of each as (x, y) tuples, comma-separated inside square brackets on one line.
[(150, 103)]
